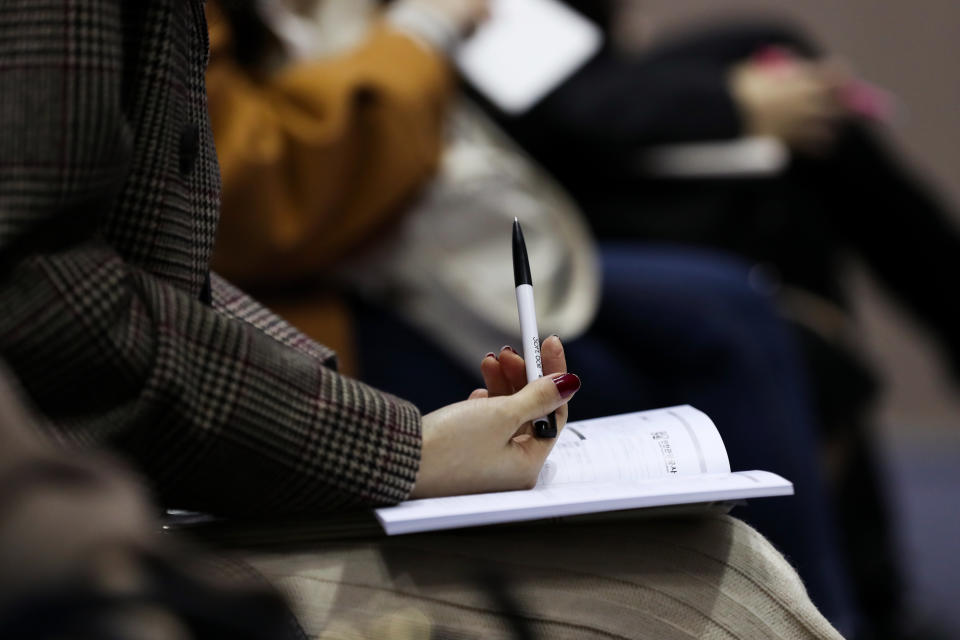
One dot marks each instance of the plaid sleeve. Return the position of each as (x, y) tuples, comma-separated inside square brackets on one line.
[(224, 409), (220, 415)]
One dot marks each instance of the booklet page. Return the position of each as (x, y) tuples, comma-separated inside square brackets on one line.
[(674, 441)]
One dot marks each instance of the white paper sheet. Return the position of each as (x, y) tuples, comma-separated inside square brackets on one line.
[(525, 50)]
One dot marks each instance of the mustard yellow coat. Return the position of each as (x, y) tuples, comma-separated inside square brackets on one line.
[(316, 160)]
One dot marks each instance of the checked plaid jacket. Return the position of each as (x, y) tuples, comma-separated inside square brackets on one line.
[(109, 316)]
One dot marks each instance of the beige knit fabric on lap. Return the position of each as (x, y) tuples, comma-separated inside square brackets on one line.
[(710, 577)]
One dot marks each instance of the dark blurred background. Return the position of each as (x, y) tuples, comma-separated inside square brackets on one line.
[(910, 48)]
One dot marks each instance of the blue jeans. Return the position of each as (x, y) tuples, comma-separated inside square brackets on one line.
[(675, 326)]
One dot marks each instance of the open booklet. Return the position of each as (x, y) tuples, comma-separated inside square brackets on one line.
[(658, 458), (650, 463)]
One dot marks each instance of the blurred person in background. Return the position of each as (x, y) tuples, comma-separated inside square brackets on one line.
[(843, 194), (119, 333), (332, 151), (326, 142)]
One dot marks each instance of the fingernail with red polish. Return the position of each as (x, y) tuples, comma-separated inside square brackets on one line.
[(567, 384), (508, 347), (491, 354)]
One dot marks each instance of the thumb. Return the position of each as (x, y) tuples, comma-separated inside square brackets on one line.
[(542, 396)]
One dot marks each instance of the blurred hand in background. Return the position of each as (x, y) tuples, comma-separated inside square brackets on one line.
[(797, 101)]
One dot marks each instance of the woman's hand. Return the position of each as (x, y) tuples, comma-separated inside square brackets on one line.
[(506, 373), (486, 443)]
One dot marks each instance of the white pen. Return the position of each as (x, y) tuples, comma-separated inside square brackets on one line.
[(545, 427)]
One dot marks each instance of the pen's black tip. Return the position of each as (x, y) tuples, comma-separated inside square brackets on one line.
[(521, 265)]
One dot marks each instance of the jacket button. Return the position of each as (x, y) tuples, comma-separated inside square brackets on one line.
[(189, 148)]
